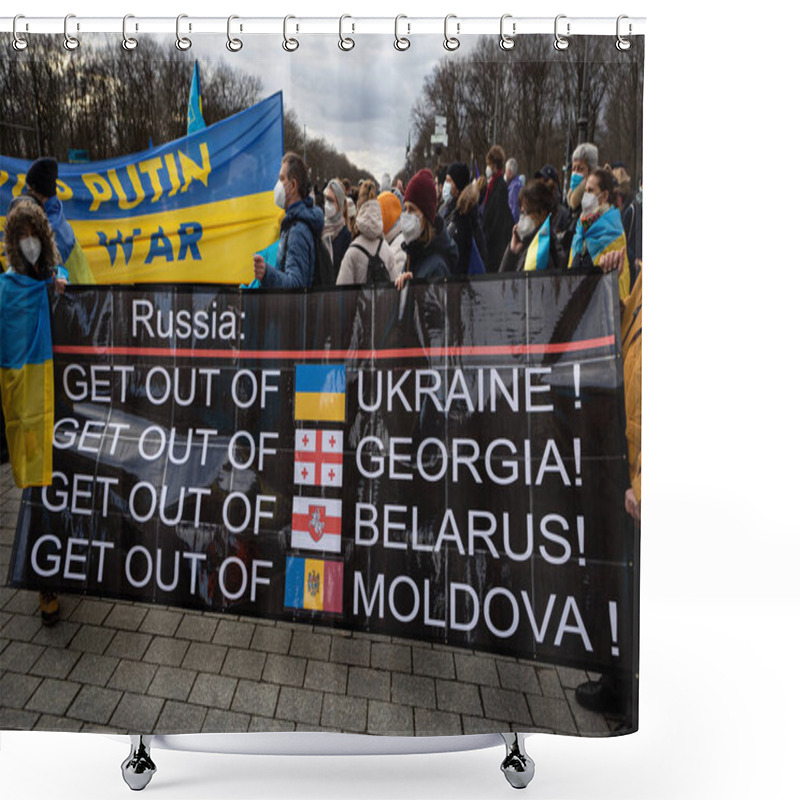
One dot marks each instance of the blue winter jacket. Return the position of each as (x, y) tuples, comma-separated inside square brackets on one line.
[(296, 255)]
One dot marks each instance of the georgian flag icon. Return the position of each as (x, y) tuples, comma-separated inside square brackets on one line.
[(318, 457)]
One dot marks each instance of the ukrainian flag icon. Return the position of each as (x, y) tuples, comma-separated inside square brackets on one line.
[(319, 392)]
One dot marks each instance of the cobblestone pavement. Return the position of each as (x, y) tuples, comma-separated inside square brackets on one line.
[(123, 667)]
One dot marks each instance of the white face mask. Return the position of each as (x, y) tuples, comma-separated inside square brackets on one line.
[(280, 194), (588, 203), (525, 226), (411, 226), (446, 192), (31, 247), (489, 172), (330, 210)]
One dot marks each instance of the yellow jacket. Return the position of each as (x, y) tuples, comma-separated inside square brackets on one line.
[(632, 377)]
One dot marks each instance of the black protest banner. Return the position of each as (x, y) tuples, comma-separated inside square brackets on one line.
[(446, 463)]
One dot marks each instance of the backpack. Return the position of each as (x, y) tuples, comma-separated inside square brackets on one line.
[(324, 273), (376, 269)]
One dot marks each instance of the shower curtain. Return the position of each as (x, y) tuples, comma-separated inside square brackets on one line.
[(277, 503)]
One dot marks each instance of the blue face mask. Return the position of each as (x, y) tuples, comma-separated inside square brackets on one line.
[(575, 181)]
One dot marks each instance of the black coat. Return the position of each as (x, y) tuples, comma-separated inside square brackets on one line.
[(497, 223), (437, 260), (461, 221), (340, 245)]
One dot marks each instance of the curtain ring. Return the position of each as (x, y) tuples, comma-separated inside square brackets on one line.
[(451, 42), (128, 42), (623, 43), (182, 42), (506, 41), (400, 42), (289, 44), (70, 42), (345, 43), (561, 43), (234, 45), (20, 43)]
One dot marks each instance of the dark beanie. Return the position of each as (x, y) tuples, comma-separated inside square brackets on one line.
[(42, 176), (421, 191), (460, 174)]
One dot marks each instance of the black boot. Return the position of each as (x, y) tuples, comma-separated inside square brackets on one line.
[(48, 605)]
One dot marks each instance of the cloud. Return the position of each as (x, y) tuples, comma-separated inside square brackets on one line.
[(359, 101)]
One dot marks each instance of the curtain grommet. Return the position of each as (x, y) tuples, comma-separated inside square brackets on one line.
[(234, 45), (183, 43), (128, 42), (70, 42), (401, 43), (507, 42), (20, 42), (451, 43), (346, 43), (289, 44)]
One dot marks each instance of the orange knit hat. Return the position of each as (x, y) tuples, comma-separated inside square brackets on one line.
[(390, 210)]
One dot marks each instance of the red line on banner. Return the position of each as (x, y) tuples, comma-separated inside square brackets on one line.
[(338, 355)]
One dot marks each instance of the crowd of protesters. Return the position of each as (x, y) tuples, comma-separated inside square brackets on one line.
[(457, 223)]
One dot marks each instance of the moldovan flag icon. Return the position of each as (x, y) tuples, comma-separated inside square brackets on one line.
[(318, 457), (317, 524), (319, 392), (313, 584)]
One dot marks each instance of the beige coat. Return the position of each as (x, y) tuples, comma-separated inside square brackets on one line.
[(370, 226)]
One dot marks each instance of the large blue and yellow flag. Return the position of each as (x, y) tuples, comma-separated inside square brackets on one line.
[(193, 210), (26, 377), (194, 114)]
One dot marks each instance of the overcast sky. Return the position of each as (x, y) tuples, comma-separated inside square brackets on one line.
[(360, 101)]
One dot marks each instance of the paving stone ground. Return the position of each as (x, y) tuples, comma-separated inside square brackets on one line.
[(124, 667)]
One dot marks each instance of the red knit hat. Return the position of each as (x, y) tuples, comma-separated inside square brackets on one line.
[(421, 191)]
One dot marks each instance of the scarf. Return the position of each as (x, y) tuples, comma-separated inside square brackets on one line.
[(603, 229)]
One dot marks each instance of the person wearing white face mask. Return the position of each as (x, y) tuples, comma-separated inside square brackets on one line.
[(599, 229), (534, 244), (26, 360), (497, 219), (336, 233), (431, 252), (301, 230)]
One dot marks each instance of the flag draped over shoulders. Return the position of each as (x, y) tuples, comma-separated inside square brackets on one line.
[(26, 377), (603, 236), (539, 249)]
